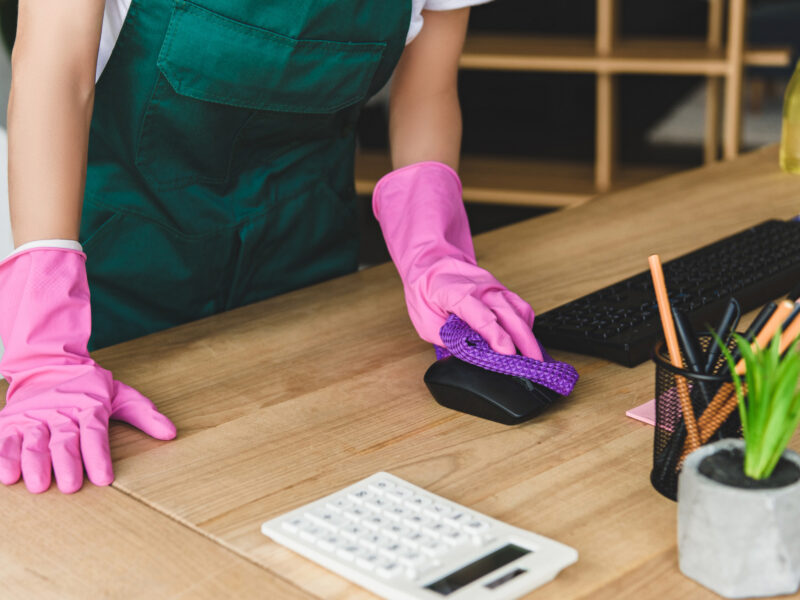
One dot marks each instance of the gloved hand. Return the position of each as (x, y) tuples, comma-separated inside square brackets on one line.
[(425, 226), (59, 400)]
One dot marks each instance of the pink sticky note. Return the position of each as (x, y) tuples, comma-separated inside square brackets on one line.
[(646, 413)]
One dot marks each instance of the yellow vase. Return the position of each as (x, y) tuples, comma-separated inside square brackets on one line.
[(790, 134)]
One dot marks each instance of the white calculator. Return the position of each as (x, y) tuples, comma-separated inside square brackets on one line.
[(402, 542)]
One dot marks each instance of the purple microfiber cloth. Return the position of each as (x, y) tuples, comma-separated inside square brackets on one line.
[(465, 344)]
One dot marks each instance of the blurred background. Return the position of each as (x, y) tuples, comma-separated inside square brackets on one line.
[(545, 127)]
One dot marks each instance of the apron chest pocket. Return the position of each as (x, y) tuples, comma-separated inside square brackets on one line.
[(217, 76)]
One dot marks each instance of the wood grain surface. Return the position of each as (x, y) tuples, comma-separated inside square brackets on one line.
[(287, 400), (100, 543)]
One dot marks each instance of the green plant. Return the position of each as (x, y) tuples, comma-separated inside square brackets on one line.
[(769, 407)]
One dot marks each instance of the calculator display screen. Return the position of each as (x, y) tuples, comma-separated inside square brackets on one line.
[(475, 570)]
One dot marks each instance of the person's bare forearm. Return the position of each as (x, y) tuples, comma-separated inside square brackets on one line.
[(425, 115), (49, 113)]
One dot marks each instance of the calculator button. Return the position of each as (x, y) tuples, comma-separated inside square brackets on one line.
[(399, 494), (412, 558), (347, 552), (439, 510), (412, 539), (397, 531), (356, 513), (324, 518), (358, 496), (453, 536), (377, 503), (391, 549), (476, 526), (389, 568), (328, 543), (352, 531), (367, 559), (433, 528), (414, 521), (433, 548), (310, 533), (456, 519), (372, 540), (374, 522), (396, 512), (418, 502), (293, 525), (339, 505), (379, 486)]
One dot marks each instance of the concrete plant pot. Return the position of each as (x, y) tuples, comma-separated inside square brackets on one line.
[(739, 542)]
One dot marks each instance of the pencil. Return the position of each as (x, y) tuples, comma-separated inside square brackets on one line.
[(665, 311)]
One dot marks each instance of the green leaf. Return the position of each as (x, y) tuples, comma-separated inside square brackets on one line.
[(769, 400), (732, 368)]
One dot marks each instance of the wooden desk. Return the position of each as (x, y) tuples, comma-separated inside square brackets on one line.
[(287, 400)]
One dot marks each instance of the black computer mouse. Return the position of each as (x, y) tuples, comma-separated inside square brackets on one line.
[(502, 398)]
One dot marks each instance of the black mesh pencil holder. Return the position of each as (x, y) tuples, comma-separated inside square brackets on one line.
[(670, 431)]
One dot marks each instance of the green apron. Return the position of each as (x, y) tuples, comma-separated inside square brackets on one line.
[(221, 154)]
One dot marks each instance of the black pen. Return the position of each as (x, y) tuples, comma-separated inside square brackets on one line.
[(760, 320), (692, 353), (727, 325)]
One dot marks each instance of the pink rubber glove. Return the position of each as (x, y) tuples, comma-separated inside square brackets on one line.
[(59, 400), (425, 226)]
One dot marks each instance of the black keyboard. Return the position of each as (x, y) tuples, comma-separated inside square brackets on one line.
[(621, 322)]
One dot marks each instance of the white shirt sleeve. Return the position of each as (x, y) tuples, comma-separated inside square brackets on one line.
[(417, 6), (63, 244), (451, 4)]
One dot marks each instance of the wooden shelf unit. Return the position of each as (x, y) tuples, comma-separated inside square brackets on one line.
[(668, 56), (508, 180), (542, 183)]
